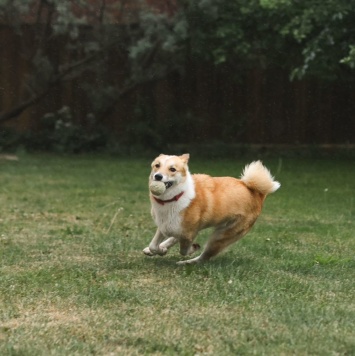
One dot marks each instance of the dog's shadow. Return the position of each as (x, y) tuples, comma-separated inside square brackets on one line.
[(227, 261)]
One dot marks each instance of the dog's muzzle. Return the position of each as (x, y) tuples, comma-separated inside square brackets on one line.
[(159, 177), (168, 184)]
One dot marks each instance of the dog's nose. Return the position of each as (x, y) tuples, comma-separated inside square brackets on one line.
[(158, 176)]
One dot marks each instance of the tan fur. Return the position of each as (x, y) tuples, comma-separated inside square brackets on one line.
[(228, 204)]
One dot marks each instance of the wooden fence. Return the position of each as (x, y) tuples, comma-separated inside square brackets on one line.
[(262, 106)]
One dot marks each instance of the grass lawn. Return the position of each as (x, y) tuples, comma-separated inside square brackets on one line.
[(74, 280)]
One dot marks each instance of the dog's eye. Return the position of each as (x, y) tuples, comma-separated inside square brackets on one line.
[(157, 165), (172, 169)]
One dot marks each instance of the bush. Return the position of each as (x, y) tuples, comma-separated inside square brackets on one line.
[(10, 140), (60, 133)]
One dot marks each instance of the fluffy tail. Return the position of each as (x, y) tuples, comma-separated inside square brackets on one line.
[(258, 177)]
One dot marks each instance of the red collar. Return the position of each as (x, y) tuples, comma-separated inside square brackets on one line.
[(175, 198)]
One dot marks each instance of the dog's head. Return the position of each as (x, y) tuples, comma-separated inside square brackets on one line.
[(171, 170)]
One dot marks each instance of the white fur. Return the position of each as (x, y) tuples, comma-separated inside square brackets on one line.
[(167, 216), (257, 176)]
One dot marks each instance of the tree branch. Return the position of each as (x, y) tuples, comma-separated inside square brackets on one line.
[(18, 109), (36, 97)]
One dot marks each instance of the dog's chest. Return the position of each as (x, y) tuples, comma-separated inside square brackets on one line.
[(168, 219)]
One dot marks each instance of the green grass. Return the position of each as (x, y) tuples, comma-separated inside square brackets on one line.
[(73, 279)]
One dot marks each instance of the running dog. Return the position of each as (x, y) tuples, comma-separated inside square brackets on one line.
[(191, 203)]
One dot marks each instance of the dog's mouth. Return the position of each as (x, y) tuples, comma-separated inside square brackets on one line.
[(168, 184)]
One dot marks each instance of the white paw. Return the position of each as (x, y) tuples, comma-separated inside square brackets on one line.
[(189, 262), (147, 252), (162, 251)]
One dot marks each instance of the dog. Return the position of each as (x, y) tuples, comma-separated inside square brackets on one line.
[(191, 203)]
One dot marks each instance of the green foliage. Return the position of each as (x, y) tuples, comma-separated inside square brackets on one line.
[(308, 37), (10, 140), (325, 32), (146, 132), (158, 45), (302, 37), (242, 32), (61, 133), (66, 22), (350, 59), (80, 40)]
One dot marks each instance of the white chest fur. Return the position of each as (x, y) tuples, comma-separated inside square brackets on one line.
[(168, 216)]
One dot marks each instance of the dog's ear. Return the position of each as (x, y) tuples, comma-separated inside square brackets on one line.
[(185, 157)]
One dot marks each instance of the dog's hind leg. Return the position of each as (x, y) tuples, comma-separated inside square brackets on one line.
[(187, 247), (220, 239)]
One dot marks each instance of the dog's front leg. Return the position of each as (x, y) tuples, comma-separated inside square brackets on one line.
[(165, 245), (153, 248)]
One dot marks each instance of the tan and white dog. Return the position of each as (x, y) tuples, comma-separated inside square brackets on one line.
[(191, 203)]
